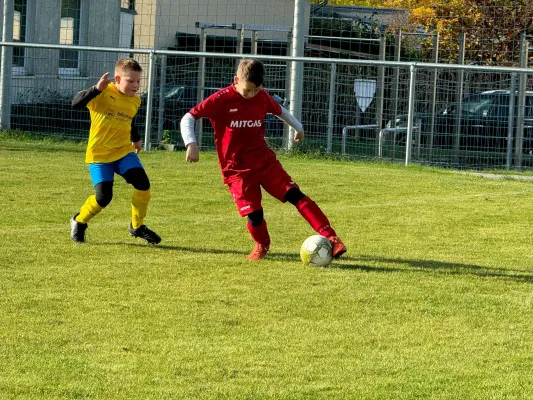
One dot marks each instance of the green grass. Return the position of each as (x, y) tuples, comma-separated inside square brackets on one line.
[(434, 299)]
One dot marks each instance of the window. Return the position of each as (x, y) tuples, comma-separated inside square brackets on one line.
[(70, 35), (127, 14), (19, 31), (477, 105), (529, 106)]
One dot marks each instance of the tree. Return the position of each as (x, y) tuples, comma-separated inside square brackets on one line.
[(331, 29), (495, 35), (360, 3), (492, 27)]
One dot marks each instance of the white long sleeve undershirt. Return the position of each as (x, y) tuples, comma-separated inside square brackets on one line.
[(187, 129), (289, 119)]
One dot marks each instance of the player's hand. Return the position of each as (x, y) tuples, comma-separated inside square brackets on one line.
[(103, 82), (192, 153), (138, 146), (299, 137)]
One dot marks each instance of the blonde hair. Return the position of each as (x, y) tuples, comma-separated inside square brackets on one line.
[(252, 71), (126, 65)]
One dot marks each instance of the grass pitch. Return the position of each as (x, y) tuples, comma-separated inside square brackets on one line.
[(434, 299)]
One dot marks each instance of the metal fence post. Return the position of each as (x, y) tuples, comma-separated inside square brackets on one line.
[(240, 44), (149, 102), (287, 94), (380, 90), (254, 43), (297, 68), (459, 96), (6, 66), (434, 80), (201, 83), (410, 117), (333, 78), (396, 76), (522, 84), (510, 122), (162, 84)]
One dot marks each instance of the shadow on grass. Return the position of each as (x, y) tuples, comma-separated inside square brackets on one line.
[(165, 247), (444, 267), (292, 257), (361, 263)]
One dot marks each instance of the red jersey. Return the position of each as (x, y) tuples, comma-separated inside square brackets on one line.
[(239, 125)]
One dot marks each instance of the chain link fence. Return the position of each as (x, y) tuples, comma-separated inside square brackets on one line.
[(360, 97), (461, 116)]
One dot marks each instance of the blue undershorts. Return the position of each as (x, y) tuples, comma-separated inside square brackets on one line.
[(105, 172)]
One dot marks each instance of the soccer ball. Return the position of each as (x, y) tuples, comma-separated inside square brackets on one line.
[(316, 250)]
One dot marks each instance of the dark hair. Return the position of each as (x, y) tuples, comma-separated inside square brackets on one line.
[(252, 71), (128, 64)]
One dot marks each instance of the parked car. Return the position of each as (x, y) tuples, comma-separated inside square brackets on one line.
[(483, 123)]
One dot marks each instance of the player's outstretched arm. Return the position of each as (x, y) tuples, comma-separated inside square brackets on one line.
[(85, 96), (103, 82), (189, 139), (289, 119)]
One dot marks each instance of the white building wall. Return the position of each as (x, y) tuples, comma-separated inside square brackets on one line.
[(43, 26), (158, 21)]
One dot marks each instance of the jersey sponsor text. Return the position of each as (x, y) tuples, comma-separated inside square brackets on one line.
[(246, 124)]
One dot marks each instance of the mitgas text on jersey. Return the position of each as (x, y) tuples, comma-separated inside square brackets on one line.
[(246, 124)]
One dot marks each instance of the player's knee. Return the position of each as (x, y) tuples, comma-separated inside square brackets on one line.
[(255, 218), (137, 178), (294, 195), (104, 193)]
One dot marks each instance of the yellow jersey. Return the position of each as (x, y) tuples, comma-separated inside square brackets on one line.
[(111, 116)]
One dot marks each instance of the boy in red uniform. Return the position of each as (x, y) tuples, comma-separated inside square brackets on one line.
[(237, 114)]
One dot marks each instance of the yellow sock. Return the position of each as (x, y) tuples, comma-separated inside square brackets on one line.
[(139, 207), (89, 209)]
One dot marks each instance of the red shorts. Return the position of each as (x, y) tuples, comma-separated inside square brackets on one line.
[(246, 192)]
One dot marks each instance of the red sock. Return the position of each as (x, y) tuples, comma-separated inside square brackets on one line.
[(260, 233), (315, 217)]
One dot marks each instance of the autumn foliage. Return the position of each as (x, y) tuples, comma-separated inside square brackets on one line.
[(492, 28)]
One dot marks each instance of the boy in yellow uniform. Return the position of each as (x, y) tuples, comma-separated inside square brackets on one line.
[(114, 143)]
